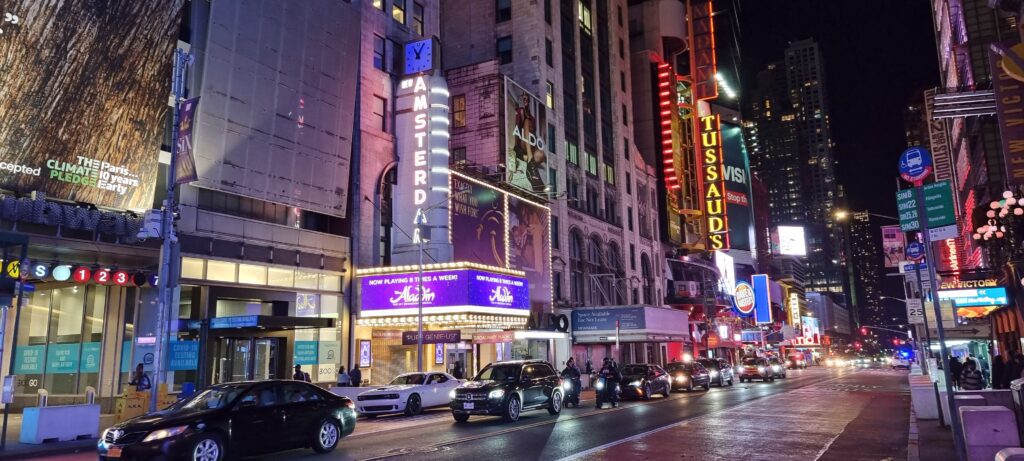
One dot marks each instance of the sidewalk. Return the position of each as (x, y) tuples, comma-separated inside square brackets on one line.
[(18, 450)]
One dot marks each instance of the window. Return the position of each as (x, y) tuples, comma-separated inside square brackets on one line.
[(629, 183), (380, 112), (378, 4), (629, 218), (417, 18), (504, 10), (609, 174), (550, 95), (572, 153), (622, 81), (459, 155), (625, 116), (505, 50), (552, 180), (584, 16), (557, 288), (555, 241), (622, 49), (398, 10), (551, 138), (549, 52), (379, 52), (547, 11), (625, 147), (632, 256), (459, 111)]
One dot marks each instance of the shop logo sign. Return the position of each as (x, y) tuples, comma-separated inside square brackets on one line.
[(408, 296), (501, 295)]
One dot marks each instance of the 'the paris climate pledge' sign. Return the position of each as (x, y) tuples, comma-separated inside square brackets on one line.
[(452, 291)]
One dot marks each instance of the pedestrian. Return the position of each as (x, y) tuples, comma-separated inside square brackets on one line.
[(955, 369), (344, 380), (301, 375), (999, 372), (972, 380), (140, 380), (355, 376), (457, 370)]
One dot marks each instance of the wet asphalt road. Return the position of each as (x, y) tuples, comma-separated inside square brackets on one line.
[(819, 413)]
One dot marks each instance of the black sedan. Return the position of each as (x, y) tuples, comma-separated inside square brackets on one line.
[(720, 370), (688, 375), (644, 380), (235, 419), (507, 389)]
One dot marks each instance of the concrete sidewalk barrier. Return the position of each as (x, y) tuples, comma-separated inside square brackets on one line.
[(59, 423), (922, 396), (987, 430), (993, 397), (1010, 454)]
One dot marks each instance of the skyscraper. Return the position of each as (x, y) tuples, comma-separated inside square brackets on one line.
[(792, 152), (868, 269)]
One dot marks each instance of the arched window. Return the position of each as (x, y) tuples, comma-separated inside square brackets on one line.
[(648, 278)]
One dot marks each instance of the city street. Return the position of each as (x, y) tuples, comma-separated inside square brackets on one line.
[(819, 413)]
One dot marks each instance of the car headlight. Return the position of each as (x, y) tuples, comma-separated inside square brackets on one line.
[(496, 394), (681, 379), (161, 434), (714, 374), (600, 385), (739, 369), (635, 383), (760, 369), (567, 385), (451, 394), (775, 368)]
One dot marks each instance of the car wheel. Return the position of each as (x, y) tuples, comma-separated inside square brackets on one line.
[(772, 379), (414, 405), (512, 409), (556, 403), (721, 381), (460, 417), (327, 436), (209, 447)]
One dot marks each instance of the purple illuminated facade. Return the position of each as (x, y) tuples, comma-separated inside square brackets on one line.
[(444, 292)]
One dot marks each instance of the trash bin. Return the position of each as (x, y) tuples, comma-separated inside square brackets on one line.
[(1017, 390)]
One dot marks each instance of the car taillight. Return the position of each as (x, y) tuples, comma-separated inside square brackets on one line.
[(351, 405)]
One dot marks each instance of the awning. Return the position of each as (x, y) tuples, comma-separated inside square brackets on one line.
[(266, 322)]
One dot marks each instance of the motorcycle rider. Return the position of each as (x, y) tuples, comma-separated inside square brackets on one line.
[(610, 374), (572, 373)]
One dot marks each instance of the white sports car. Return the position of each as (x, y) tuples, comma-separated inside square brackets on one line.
[(409, 393)]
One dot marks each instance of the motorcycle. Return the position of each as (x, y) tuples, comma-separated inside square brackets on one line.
[(571, 387), (606, 392)]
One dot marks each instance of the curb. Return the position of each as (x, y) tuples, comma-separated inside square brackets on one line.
[(913, 449)]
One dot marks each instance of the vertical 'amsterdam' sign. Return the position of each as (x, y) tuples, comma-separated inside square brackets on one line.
[(714, 182), (702, 36)]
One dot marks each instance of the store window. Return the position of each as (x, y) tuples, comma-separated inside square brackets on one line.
[(221, 271), (252, 274)]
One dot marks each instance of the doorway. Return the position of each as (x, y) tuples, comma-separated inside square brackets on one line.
[(462, 356), (248, 359)]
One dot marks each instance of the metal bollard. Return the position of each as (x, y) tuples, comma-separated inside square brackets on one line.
[(42, 396), (90, 395)]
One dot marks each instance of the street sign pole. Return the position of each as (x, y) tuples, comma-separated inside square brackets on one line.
[(920, 294)]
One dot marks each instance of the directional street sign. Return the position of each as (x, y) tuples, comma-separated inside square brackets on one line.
[(938, 204)]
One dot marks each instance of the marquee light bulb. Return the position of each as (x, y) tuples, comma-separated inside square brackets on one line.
[(994, 205), (1007, 194), (990, 213)]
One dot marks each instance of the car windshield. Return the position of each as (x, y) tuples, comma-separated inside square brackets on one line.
[(709, 364), (634, 370), (750, 362), (412, 378), (212, 398), (499, 373), (674, 367)]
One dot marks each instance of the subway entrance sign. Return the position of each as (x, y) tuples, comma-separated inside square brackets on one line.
[(938, 205)]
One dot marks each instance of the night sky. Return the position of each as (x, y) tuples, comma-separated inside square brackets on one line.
[(877, 53)]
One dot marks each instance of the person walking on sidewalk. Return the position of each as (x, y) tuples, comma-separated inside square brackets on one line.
[(355, 376), (998, 371), (972, 380), (956, 368)]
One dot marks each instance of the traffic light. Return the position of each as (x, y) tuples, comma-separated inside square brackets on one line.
[(863, 331)]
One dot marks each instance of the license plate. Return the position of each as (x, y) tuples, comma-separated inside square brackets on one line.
[(114, 452), (467, 406)]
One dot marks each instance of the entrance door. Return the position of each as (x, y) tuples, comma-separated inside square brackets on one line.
[(461, 356), (247, 359)]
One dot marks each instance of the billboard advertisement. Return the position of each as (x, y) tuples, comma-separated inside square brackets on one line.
[(529, 237), (894, 244), (526, 159), (478, 223), (736, 171), (275, 122), (789, 241), (76, 126), (458, 290), (604, 319)]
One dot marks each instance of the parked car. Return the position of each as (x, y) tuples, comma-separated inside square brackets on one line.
[(720, 371), (408, 393), (688, 375), (644, 380), (755, 368), (507, 389), (236, 419), (777, 367)]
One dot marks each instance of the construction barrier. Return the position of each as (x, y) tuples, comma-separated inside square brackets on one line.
[(130, 405)]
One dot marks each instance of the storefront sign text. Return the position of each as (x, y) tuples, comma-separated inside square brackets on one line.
[(714, 182), (432, 337), (444, 291), (628, 318)]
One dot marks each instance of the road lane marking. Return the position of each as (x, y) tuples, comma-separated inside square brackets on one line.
[(594, 412), (583, 454)]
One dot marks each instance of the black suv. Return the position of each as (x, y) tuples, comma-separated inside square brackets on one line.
[(506, 389)]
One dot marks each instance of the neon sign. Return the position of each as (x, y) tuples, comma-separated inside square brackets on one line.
[(714, 182), (666, 108), (704, 63)]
